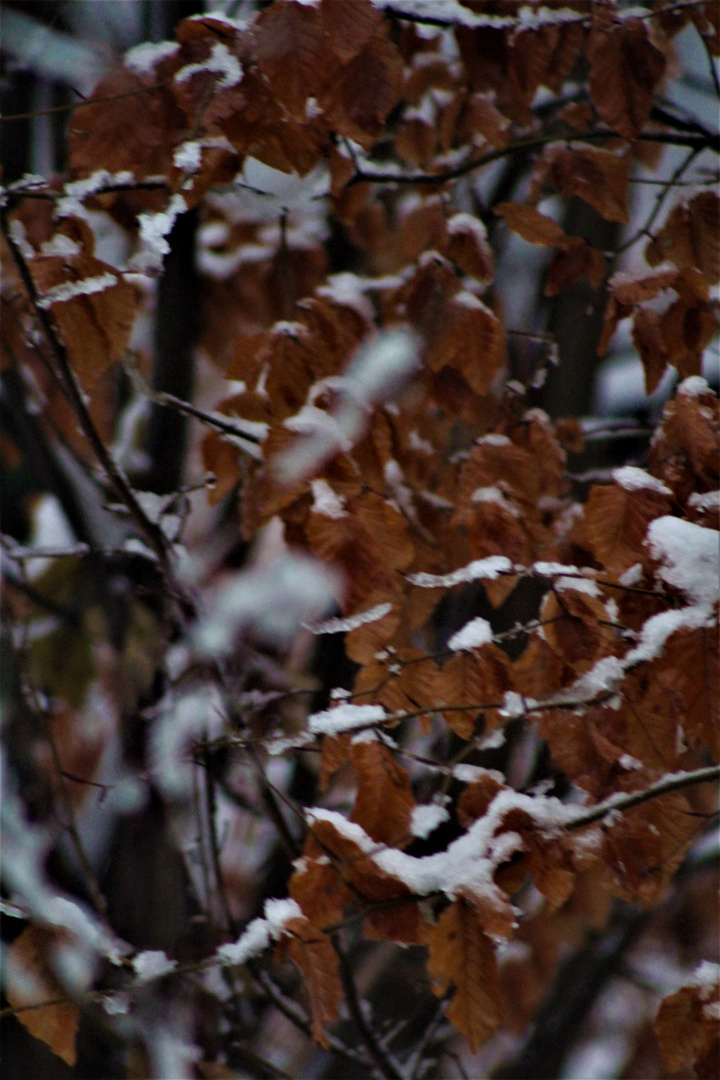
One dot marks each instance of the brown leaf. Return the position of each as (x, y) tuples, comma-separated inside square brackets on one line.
[(384, 802), (349, 27), (316, 958), (687, 1029), (469, 250), (533, 226), (684, 453), (359, 98), (645, 846), (480, 115), (578, 260), (92, 306), (597, 176), (318, 888), (462, 956), (616, 521), (574, 627), (31, 981), (478, 678), (650, 343), (127, 130), (691, 237), (291, 51), (625, 68)]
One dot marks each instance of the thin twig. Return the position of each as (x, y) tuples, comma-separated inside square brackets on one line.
[(113, 472), (371, 1043), (625, 801)]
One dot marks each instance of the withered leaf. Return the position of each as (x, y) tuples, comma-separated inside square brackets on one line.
[(462, 956), (625, 68)]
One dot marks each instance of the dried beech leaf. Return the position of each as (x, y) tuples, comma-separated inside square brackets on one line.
[(291, 52), (616, 521), (533, 226), (384, 801), (363, 92), (625, 68), (29, 982), (575, 628), (316, 958), (691, 237), (597, 176), (687, 1029), (318, 888), (462, 956), (577, 260)]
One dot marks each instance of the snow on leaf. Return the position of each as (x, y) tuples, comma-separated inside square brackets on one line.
[(143, 58), (377, 372), (152, 964), (346, 717), (344, 626), (634, 479), (689, 555), (426, 818), (259, 934), (473, 634), (220, 62), (481, 569)]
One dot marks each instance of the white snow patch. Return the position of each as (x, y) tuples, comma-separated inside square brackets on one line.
[(579, 584), (142, 58), (154, 230), (152, 964), (221, 62), (425, 819), (694, 386), (260, 933), (466, 223), (494, 495), (68, 290), (327, 502), (344, 626), (270, 600), (60, 244), (633, 479), (480, 569), (632, 575), (344, 718), (188, 157), (657, 629), (472, 635), (183, 719), (690, 555), (710, 500)]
